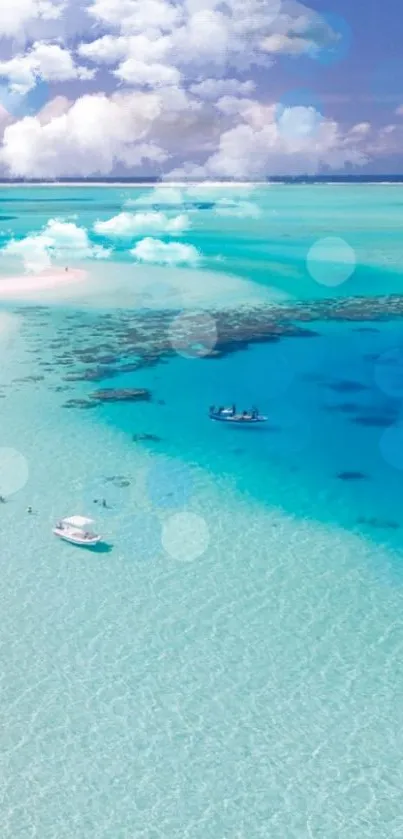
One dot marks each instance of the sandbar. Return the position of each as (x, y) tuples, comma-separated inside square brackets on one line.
[(50, 279)]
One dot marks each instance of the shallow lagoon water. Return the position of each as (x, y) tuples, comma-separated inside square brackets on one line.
[(270, 249), (251, 691)]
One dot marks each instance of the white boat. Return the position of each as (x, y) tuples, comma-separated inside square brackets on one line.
[(74, 529), (228, 415)]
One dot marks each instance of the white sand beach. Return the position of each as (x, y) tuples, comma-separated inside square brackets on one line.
[(51, 279)]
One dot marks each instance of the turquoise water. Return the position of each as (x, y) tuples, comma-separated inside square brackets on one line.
[(270, 249), (231, 666)]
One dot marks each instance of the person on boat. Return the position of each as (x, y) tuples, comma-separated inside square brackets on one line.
[(220, 410), (233, 410), (29, 509)]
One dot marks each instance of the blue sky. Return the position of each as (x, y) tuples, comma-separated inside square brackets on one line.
[(239, 89)]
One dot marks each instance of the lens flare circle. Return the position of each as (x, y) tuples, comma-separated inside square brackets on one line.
[(14, 471), (185, 536), (193, 334), (331, 261)]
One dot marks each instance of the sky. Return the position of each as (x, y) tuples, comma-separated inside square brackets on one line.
[(200, 89)]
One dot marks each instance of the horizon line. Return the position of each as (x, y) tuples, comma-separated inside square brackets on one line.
[(154, 181)]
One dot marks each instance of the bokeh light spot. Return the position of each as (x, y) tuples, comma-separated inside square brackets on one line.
[(193, 334), (185, 536), (14, 471), (331, 261)]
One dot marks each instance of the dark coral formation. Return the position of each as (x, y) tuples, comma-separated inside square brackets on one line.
[(384, 524), (375, 421), (79, 403), (96, 374), (365, 329), (346, 386), (97, 348), (146, 437), (352, 476), (30, 379), (119, 481), (129, 394)]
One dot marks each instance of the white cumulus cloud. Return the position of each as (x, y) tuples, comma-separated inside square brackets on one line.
[(17, 15), (109, 49), (134, 224), (140, 73), (92, 136), (49, 62), (136, 15), (59, 240), (278, 43), (180, 91), (203, 36), (361, 128), (165, 253), (213, 89), (268, 141)]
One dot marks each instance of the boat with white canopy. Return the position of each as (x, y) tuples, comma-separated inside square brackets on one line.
[(237, 417), (75, 529)]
